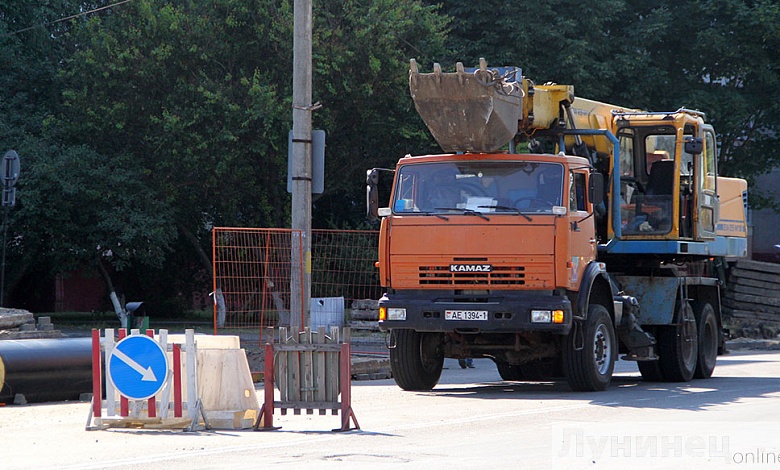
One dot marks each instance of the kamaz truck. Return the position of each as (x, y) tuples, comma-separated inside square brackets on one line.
[(554, 235)]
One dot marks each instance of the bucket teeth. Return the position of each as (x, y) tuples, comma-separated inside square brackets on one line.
[(467, 112)]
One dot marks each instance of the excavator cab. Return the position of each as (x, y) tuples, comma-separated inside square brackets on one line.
[(667, 180)]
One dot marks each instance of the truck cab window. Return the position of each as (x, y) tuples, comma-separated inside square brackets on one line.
[(577, 192), (495, 187)]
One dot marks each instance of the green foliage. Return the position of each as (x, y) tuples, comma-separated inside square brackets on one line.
[(81, 205), (361, 63), (143, 125), (184, 90), (720, 57)]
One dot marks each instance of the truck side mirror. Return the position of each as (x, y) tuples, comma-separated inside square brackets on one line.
[(596, 188), (694, 145), (372, 195)]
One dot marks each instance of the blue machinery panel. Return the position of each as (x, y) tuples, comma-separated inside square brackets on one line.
[(658, 296)]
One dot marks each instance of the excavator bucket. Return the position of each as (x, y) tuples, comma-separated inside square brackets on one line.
[(467, 112)]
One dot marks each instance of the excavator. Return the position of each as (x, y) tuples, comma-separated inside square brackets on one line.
[(553, 235)]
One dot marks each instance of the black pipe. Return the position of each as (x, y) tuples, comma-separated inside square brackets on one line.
[(45, 369)]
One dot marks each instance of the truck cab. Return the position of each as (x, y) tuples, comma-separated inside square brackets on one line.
[(485, 254)]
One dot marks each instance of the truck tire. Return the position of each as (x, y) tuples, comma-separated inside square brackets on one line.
[(416, 359), (509, 372), (590, 352), (540, 369), (678, 347), (707, 326), (651, 371)]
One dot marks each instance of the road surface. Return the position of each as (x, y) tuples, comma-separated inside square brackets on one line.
[(470, 420)]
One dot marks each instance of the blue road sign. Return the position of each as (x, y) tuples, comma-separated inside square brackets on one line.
[(138, 367)]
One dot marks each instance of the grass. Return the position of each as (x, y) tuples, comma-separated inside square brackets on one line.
[(201, 321)]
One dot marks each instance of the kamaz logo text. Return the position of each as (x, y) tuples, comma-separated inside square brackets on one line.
[(470, 268)]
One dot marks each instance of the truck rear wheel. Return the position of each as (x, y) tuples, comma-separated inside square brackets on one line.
[(540, 369), (678, 347), (589, 354), (651, 371), (416, 359), (509, 372), (707, 326)]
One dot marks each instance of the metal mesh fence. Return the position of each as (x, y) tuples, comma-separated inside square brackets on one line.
[(253, 267), (343, 264), (252, 270)]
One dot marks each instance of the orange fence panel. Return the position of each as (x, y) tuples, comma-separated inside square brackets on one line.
[(252, 269)]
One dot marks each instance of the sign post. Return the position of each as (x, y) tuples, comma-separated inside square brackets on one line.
[(9, 174)]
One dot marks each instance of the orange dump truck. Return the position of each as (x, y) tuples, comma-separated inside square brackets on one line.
[(601, 237)]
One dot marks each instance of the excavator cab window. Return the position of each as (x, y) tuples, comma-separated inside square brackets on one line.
[(648, 206), (626, 138)]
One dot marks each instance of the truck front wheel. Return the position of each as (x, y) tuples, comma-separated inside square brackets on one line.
[(590, 351), (416, 359)]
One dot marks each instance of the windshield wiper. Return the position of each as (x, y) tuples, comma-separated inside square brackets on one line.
[(511, 209), (465, 211), (444, 217)]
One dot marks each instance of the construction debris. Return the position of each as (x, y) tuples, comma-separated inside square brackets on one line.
[(20, 324), (752, 298)]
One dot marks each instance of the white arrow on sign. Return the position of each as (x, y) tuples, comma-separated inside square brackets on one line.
[(147, 375)]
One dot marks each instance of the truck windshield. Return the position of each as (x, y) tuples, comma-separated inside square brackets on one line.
[(495, 187)]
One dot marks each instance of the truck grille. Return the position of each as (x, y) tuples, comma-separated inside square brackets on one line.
[(538, 275)]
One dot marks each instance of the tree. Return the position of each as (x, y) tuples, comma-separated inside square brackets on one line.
[(559, 41), (721, 58), (181, 89), (195, 100), (30, 52), (361, 64)]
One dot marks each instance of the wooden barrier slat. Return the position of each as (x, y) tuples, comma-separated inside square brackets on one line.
[(319, 370), (313, 370), (281, 363)]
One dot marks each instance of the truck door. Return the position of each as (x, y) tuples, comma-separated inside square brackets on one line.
[(707, 203), (583, 236)]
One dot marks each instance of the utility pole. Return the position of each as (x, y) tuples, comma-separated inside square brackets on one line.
[(300, 282)]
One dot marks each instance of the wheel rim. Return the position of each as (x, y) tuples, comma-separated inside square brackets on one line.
[(429, 353), (602, 349)]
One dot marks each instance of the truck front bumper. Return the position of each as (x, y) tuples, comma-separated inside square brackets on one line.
[(499, 312)]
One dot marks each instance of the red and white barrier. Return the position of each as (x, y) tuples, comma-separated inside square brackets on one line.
[(166, 409)]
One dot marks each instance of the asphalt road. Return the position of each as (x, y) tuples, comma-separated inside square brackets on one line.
[(470, 420)]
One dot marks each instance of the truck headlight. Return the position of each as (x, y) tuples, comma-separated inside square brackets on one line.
[(546, 316), (396, 314), (541, 316)]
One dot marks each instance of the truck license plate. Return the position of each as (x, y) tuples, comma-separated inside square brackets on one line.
[(465, 315)]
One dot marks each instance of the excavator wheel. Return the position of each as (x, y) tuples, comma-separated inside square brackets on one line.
[(678, 348), (707, 326)]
